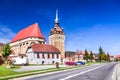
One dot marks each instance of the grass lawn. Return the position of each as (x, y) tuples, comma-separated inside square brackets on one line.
[(90, 63), (7, 71)]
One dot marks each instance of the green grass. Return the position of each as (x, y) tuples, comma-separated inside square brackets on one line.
[(7, 71), (90, 63)]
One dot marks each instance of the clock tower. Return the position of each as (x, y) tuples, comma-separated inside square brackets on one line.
[(57, 37)]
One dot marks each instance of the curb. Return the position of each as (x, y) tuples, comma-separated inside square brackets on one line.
[(116, 72)]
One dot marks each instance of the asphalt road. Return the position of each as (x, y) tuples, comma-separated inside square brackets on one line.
[(94, 72)]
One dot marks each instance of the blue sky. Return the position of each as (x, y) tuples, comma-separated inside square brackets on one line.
[(88, 24)]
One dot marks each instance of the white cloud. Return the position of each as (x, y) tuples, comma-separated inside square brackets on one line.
[(6, 34), (106, 36)]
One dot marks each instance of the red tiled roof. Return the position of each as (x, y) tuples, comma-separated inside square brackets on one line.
[(44, 48), (117, 56), (79, 53), (31, 31)]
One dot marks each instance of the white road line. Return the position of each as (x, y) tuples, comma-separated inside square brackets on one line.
[(80, 73)]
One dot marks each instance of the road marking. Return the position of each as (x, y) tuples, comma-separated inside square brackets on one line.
[(80, 73)]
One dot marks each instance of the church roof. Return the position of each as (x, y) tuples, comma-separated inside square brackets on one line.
[(31, 31), (44, 48), (56, 29)]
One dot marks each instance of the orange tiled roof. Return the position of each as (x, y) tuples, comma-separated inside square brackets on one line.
[(31, 31), (44, 48), (79, 53), (117, 56)]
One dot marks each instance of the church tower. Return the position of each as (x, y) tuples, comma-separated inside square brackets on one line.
[(57, 37)]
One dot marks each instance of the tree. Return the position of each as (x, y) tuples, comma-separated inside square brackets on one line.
[(104, 57), (86, 56), (101, 54), (91, 56), (108, 57), (6, 50)]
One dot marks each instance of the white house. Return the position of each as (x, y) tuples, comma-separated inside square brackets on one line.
[(43, 54), (20, 59)]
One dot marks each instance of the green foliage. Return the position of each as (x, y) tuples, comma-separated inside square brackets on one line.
[(91, 56), (86, 56), (6, 50), (108, 57), (104, 57), (101, 54)]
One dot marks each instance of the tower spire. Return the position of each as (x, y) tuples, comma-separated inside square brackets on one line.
[(56, 19)]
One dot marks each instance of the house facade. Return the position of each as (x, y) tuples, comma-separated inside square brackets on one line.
[(43, 54), (74, 56)]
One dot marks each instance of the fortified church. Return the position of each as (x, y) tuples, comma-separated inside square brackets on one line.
[(29, 45)]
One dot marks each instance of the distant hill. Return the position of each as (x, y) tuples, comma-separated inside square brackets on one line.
[(1, 46)]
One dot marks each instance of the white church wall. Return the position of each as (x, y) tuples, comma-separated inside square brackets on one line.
[(19, 60), (46, 59)]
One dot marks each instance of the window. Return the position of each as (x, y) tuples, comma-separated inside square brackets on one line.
[(23, 43), (48, 55), (53, 62), (38, 56), (53, 55), (22, 57), (57, 55), (42, 62), (43, 55), (26, 42)]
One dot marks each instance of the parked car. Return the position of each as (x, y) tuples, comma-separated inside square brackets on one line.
[(71, 63), (80, 63)]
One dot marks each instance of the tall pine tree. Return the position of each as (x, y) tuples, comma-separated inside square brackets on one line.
[(101, 54), (91, 57), (86, 56)]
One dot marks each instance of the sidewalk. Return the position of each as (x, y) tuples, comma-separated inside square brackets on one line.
[(39, 67), (116, 72)]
